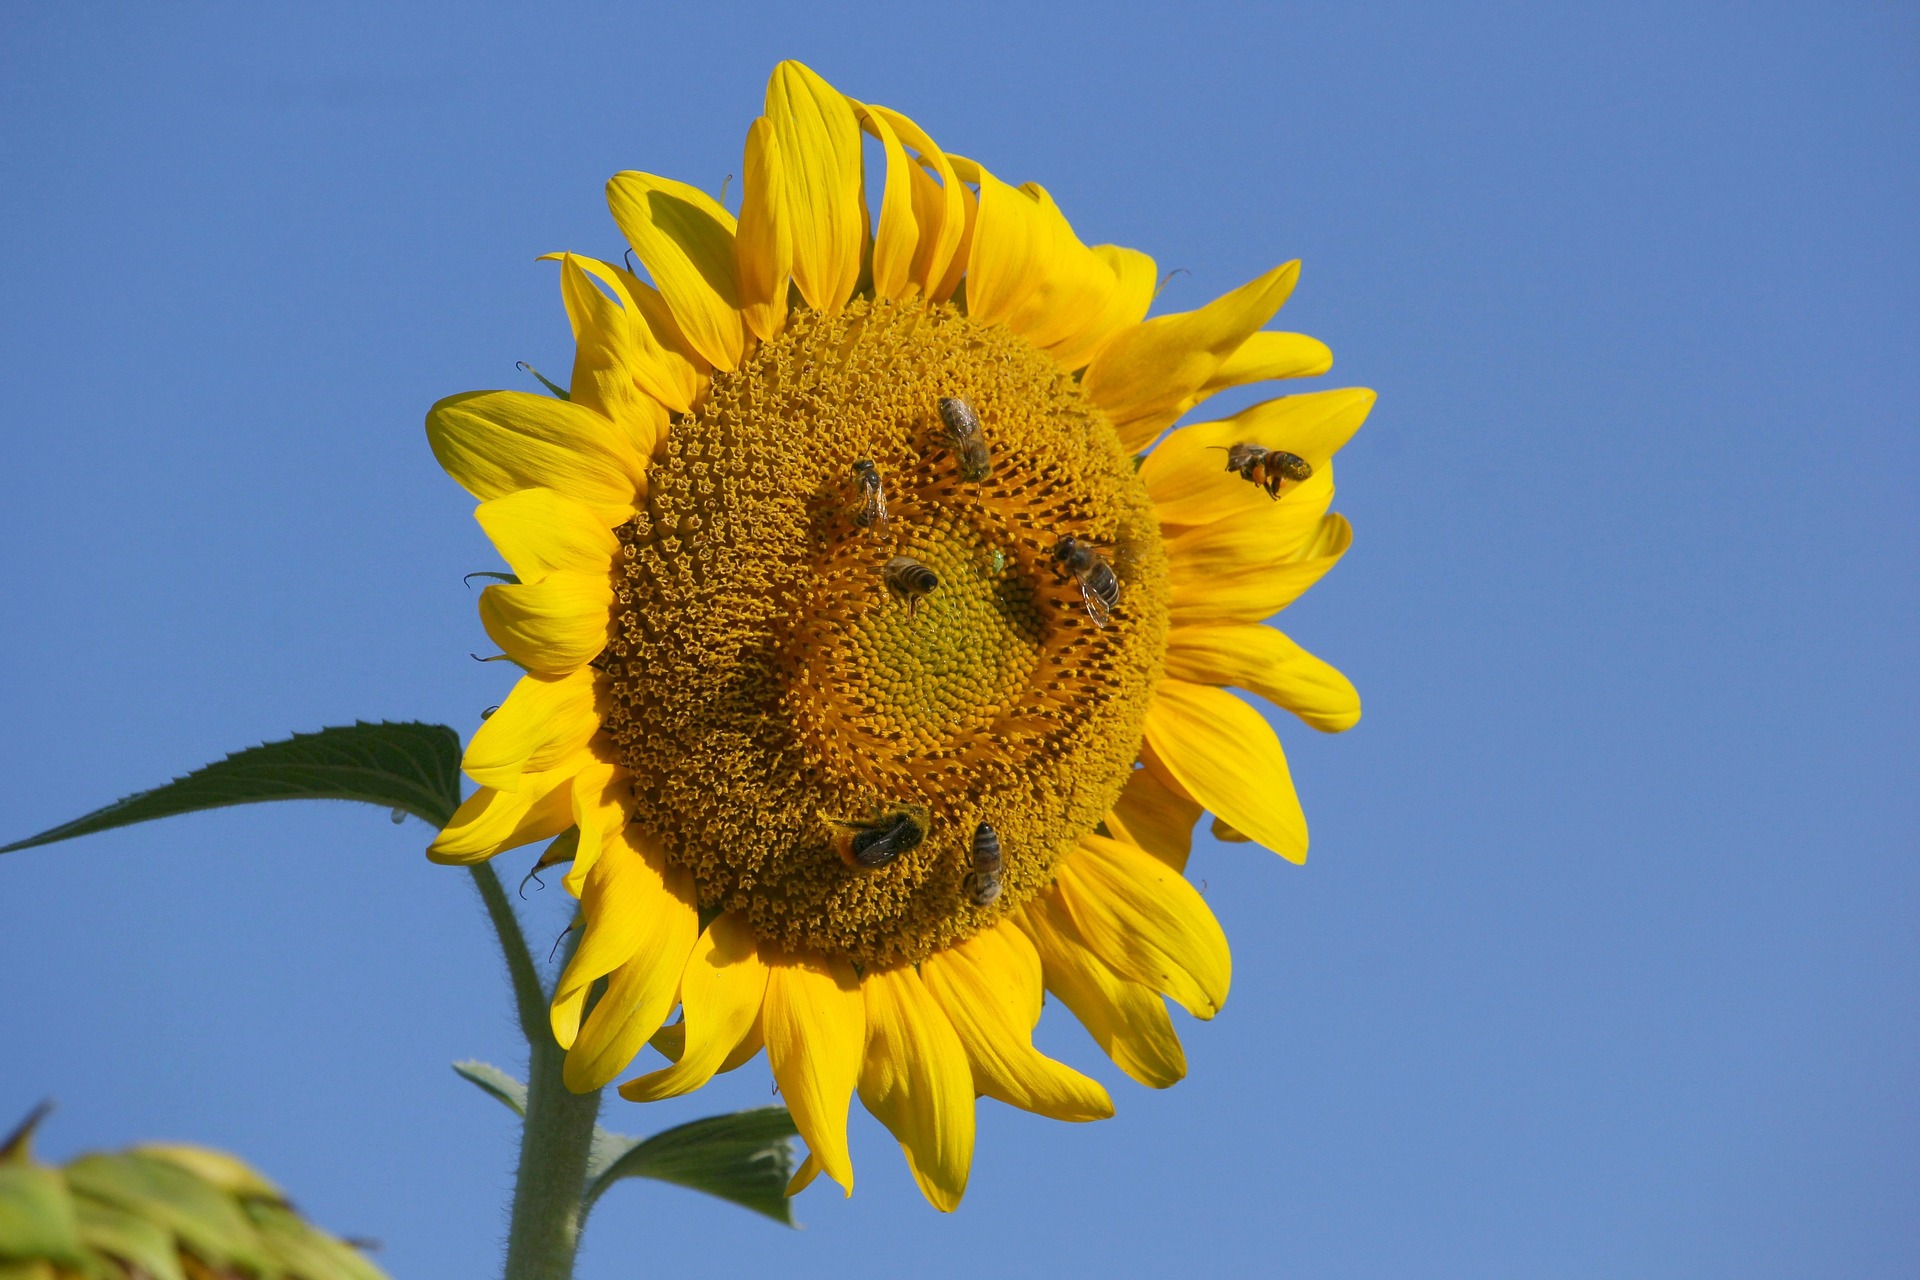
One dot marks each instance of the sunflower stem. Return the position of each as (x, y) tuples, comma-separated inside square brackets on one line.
[(544, 1230), (530, 1001), (552, 1178)]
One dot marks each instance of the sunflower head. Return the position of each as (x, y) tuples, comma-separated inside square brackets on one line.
[(872, 670)]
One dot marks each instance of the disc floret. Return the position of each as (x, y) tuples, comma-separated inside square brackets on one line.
[(773, 685)]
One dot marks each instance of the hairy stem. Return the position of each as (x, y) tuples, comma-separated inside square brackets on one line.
[(530, 1002), (544, 1231), (552, 1177)]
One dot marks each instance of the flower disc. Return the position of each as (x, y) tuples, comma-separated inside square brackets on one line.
[(770, 690)]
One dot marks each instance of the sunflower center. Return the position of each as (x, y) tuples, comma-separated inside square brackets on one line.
[(795, 677)]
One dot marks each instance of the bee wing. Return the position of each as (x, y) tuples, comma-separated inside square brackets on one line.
[(1096, 607)]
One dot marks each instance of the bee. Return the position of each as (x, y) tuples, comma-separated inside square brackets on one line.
[(1099, 587), (909, 579), (983, 882), (966, 439), (868, 846), (873, 498), (1269, 469)]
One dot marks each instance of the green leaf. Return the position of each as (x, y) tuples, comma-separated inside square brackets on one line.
[(205, 1219), (400, 765), (496, 1082), (36, 1216), (607, 1146), (744, 1157)]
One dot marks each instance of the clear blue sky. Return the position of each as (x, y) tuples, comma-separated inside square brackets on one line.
[(1605, 960)]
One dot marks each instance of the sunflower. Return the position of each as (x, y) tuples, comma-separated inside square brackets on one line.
[(875, 677)]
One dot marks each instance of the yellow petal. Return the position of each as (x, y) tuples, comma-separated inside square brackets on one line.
[(1261, 592), (539, 531), (915, 1081), (1254, 539), (721, 994), (1223, 832), (1267, 355), (543, 721), (1026, 269), (939, 205), (1015, 241), (489, 821), (1187, 476), (1157, 817), (620, 901), (666, 330), (963, 252), (1227, 757), (664, 363), (641, 990), (803, 1176), (1122, 306), (1067, 315), (685, 239), (763, 245), (1149, 375), (1144, 919), (816, 1027), (820, 152), (990, 987), (1264, 661), (499, 442), (555, 625), (602, 807), (898, 233), (671, 1041), (1127, 1020), (607, 355), (746, 1051)]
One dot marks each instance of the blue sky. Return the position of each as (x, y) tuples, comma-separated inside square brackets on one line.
[(1604, 962)]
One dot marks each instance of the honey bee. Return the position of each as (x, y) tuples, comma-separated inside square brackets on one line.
[(983, 882), (909, 579), (1269, 469), (966, 439), (868, 846), (1099, 587), (873, 498)]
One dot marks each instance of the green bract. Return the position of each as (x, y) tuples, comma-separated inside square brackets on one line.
[(145, 1213)]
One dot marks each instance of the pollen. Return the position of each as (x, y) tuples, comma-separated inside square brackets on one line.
[(771, 688)]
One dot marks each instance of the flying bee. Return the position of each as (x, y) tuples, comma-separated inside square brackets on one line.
[(868, 846), (873, 498), (909, 579), (983, 882), (1269, 469), (1099, 587), (966, 439)]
